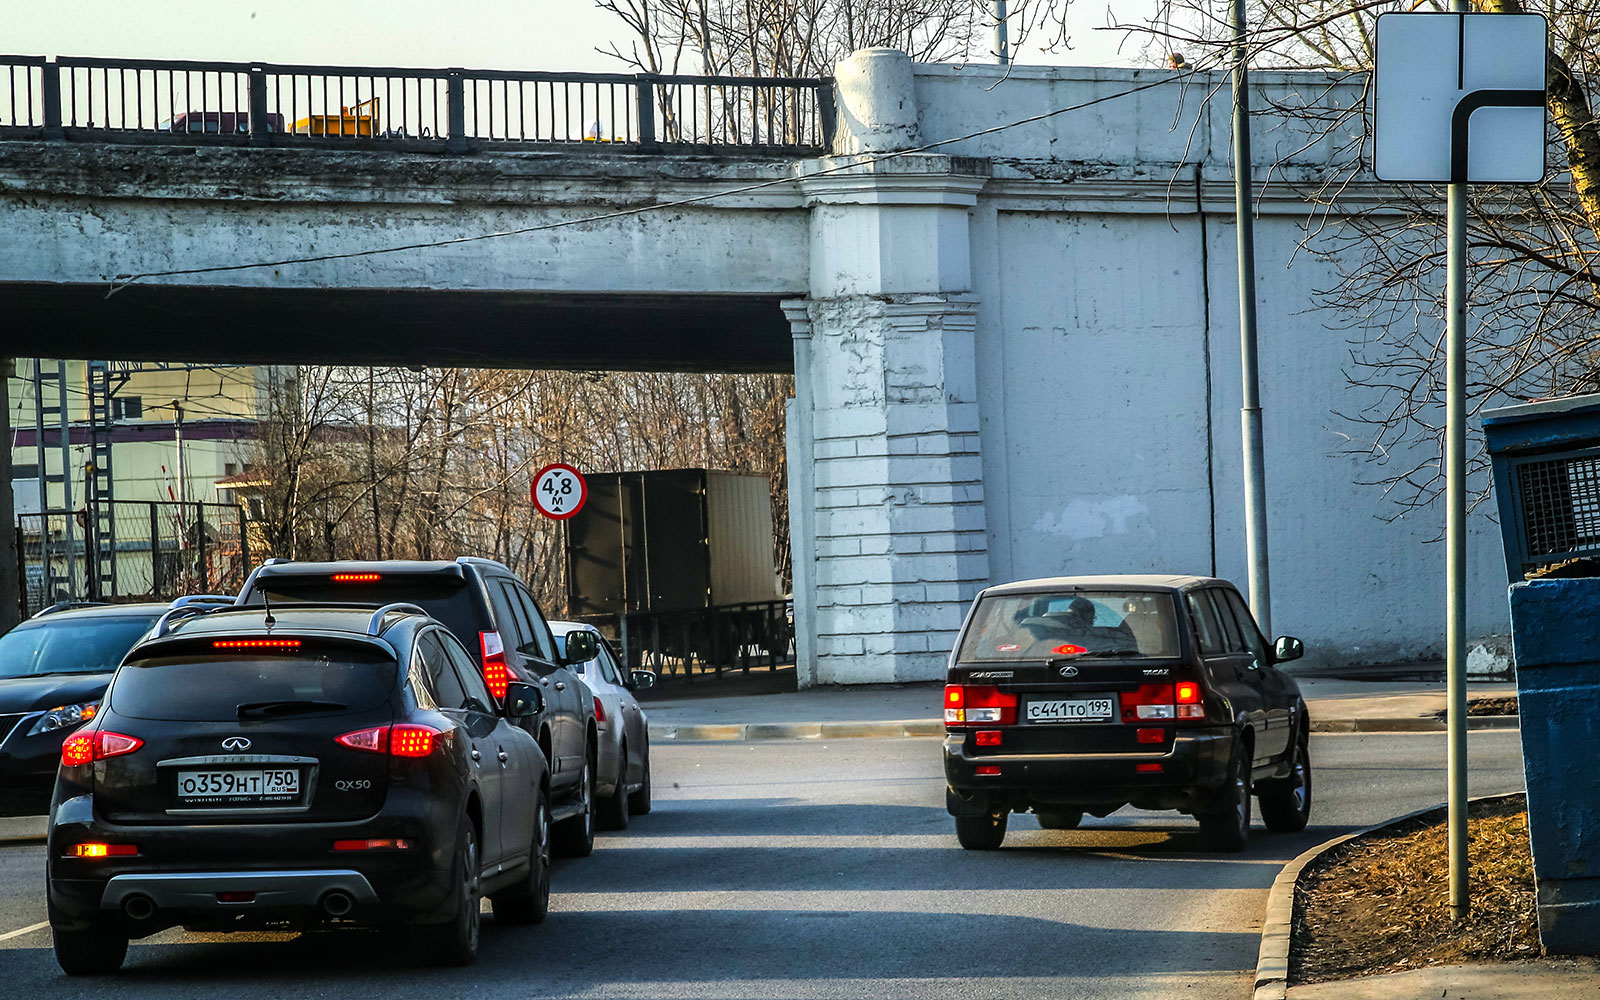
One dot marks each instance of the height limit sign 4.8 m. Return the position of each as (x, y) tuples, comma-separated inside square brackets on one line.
[(559, 491)]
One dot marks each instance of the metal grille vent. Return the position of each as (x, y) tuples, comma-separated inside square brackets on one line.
[(1560, 507)]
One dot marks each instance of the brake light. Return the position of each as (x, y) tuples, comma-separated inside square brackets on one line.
[(1163, 701), (85, 748), (1189, 701), (1152, 736), (1148, 768), (495, 673), (256, 644), (986, 770), (356, 577), (377, 844), (1068, 649), (989, 738), (102, 850), (396, 741), (599, 710), (974, 704), (411, 741)]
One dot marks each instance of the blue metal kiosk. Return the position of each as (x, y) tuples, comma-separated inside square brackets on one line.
[(1546, 459)]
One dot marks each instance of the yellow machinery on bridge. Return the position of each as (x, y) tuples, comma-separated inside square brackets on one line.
[(356, 120)]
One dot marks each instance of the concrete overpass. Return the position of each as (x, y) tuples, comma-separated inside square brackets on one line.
[(1015, 352)]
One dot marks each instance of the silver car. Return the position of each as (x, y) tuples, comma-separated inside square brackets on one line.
[(622, 784)]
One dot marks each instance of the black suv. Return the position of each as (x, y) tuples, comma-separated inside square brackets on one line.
[(307, 767), (1081, 695), (491, 611)]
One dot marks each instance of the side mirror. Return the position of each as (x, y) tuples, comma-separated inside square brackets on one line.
[(644, 680), (582, 646), (523, 700), (1287, 648)]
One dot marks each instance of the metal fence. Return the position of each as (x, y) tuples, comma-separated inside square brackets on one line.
[(182, 101), (152, 551)]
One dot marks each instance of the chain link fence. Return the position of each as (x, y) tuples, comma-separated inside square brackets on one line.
[(144, 550)]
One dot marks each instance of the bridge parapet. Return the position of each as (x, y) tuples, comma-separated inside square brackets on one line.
[(384, 107)]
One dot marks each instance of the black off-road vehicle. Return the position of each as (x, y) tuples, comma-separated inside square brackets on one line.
[(1081, 695)]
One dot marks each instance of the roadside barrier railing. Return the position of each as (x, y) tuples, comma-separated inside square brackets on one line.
[(456, 110)]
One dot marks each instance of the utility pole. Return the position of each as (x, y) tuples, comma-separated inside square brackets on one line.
[(10, 555), (1255, 472), (1455, 446), (177, 439), (1002, 44)]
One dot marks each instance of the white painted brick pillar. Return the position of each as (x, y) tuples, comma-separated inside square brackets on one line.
[(887, 515)]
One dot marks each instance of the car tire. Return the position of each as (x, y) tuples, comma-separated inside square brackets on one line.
[(1286, 805), (639, 801), (983, 832), (575, 836), (456, 941), (1225, 826), (528, 901), (93, 952), (614, 807), (1061, 820)]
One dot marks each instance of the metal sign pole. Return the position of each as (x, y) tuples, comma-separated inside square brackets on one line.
[(1455, 447), (1255, 474)]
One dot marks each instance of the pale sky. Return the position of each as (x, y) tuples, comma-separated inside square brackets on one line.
[(476, 34)]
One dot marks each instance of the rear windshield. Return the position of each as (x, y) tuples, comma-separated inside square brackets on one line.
[(1048, 626), (212, 688), (86, 646), (450, 601)]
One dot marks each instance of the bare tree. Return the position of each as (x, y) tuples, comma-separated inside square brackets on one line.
[(1532, 249)]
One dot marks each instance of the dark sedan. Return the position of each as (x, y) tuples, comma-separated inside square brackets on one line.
[(54, 669)]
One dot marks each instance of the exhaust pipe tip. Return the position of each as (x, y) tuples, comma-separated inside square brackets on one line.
[(138, 907), (337, 904)]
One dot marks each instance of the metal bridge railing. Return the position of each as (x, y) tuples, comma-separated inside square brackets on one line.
[(263, 104)]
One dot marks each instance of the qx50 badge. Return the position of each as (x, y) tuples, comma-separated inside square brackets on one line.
[(236, 744)]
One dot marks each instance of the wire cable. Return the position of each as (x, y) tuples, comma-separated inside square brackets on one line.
[(121, 281)]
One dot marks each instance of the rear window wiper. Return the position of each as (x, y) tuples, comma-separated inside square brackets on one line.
[(253, 709), (1091, 654)]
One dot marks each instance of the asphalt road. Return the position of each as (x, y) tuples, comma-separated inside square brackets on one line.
[(793, 869)]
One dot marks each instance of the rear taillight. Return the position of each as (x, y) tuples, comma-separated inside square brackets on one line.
[(378, 844), (102, 850), (599, 710), (989, 738), (396, 741), (495, 673), (1163, 701), (87, 747), (978, 704)]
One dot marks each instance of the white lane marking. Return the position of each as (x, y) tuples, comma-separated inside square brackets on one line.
[(8, 935)]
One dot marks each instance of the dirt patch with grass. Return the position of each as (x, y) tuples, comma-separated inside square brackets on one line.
[(1487, 705), (1381, 903)]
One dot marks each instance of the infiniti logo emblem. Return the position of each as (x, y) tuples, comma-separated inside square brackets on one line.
[(236, 743), (1067, 671)]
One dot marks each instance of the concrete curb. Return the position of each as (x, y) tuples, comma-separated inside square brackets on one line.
[(1418, 724), (902, 728), (22, 829), (898, 729), (1272, 962)]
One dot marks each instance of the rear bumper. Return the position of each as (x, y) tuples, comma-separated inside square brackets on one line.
[(1178, 776), (291, 868)]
